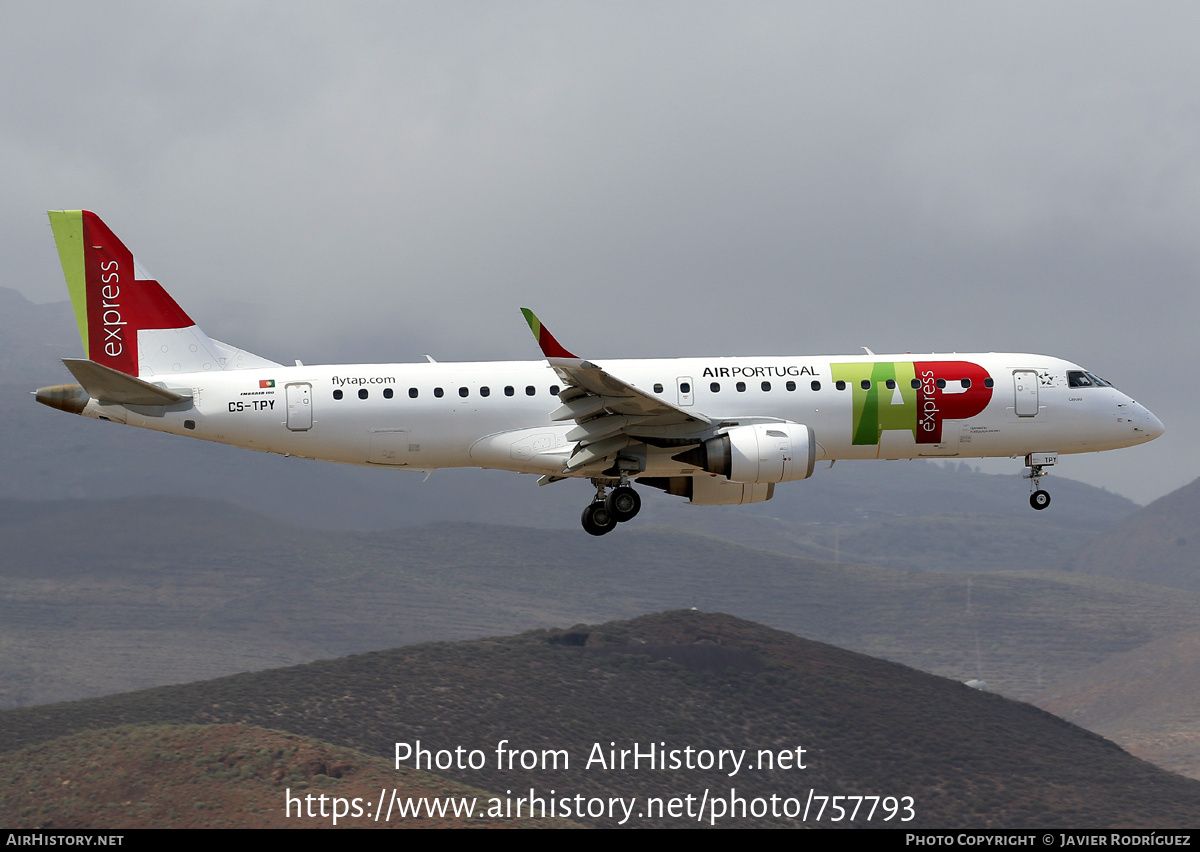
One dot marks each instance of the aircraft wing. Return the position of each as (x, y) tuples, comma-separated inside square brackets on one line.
[(610, 413)]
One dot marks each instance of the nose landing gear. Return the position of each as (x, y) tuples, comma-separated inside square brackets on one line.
[(1038, 499), (602, 515)]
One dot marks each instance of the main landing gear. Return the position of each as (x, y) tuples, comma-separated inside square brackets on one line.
[(1039, 499), (606, 511)]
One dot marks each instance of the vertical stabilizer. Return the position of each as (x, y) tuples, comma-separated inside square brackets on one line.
[(127, 321)]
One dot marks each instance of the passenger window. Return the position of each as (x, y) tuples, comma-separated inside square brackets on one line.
[(866, 384), (463, 392), (438, 392), (815, 386), (741, 387), (337, 394), (966, 383), (658, 388), (987, 383), (508, 390), (766, 386), (890, 384), (485, 391), (715, 387), (412, 393), (362, 393), (685, 387), (791, 386), (387, 393), (530, 390), (941, 383), (916, 384), (554, 390), (839, 384)]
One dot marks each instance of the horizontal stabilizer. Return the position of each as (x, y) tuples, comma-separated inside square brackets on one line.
[(109, 385)]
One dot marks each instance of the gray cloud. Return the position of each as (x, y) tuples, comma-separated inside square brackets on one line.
[(382, 180)]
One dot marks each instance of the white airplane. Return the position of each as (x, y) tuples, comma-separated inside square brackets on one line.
[(713, 430)]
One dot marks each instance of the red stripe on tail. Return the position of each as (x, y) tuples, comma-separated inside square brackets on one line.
[(118, 304)]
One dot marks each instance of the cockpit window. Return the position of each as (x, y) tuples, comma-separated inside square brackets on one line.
[(1082, 379)]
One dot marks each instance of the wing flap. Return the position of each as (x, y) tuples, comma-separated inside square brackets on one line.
[(581, 408), (600, 428), (621, 397), (598, 451)]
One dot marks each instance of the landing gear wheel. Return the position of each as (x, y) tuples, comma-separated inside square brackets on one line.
[(624, 503), (597, 519), (1037, 464)]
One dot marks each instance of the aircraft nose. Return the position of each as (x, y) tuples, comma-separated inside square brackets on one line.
[(1150, 425)]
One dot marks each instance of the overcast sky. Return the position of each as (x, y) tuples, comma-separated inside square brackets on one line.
[(342, 181)]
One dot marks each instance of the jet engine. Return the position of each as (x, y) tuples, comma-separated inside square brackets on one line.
[(757, 453)]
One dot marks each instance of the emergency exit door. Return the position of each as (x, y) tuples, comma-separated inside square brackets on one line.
[(1025, 386), (299, 407)]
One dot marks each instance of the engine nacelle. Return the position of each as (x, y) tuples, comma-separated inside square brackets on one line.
[(758, 453)]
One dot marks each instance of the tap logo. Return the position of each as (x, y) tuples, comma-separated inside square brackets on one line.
[(916, 396)]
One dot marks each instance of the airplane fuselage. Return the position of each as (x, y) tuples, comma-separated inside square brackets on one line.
[(496, 414)]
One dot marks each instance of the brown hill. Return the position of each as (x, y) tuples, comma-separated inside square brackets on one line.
[(682, 680), (216, 776), (1157, 544), (1148, 700)]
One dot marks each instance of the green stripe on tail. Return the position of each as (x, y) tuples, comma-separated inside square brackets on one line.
[(67, 226)]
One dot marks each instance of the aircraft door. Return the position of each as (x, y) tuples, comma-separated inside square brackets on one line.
[(686, 392), (299, 407), (1025, 386)]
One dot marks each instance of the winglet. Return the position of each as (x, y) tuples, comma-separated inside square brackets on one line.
[(551, 348)]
